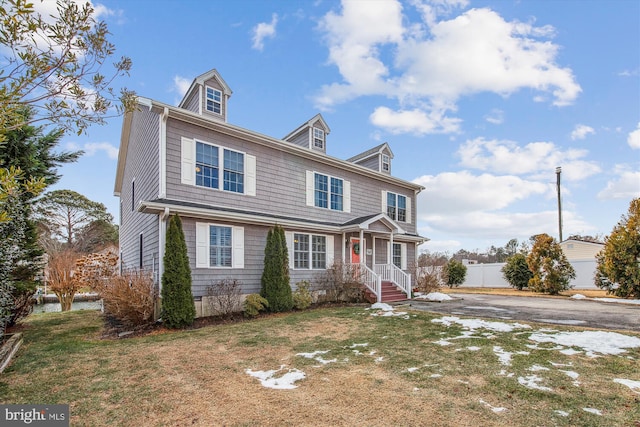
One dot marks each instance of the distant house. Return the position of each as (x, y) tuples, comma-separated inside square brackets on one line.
[(230, 185), (575, 249)]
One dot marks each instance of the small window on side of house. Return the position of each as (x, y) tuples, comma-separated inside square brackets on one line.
[(385, 163), (318, 138), (214, 101)]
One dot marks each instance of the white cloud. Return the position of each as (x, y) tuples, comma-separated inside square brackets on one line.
[(581, 132), (181, 85), (428, 66), (264, 30), (634, 138), (496, 117), (414, 121), (537, 159), (93, 148), (626, 184)]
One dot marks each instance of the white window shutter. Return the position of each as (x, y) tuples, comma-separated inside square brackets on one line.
[(409, 210), (202, 245), (310, 188), (403, 256), (238, 247), (384, 202), (346, 205), (289, 238), (250, 175), (330, 251), (188, 167)]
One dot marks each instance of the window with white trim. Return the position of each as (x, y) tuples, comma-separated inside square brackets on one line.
[(214, 100), (309, 255), (318, 138), (208, 168), (385, 163), (397, 207), (219, 246), (328, 192), (397, 255)]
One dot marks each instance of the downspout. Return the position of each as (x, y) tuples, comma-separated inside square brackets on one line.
[(344, 246), (162, 230), (162, 157)]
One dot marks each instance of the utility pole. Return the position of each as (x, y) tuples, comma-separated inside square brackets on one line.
[(558, 172)]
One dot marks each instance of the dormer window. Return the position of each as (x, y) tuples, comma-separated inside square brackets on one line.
[(385, 163), (318, 138), (214, 100)]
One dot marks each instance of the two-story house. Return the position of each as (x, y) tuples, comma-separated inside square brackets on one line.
[(231, 185)]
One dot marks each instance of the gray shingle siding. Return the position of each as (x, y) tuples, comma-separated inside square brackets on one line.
[(142, 169)]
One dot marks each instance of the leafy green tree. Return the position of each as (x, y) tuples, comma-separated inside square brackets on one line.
[(516, 271), (31, 150), (455, 272), (551, 270), (64, 214), (618, 264), (275, 276), (54, 63), (178, 308)]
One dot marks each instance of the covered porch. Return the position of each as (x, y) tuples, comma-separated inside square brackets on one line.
[(379, 253)]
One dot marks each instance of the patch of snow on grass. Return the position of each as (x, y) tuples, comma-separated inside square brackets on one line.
[(412, 369), (315, 356), (593, 411), (537, 368), (359, 345), (442, 342), (573, 375), (381, 306), (531, 381), (435, 375), (590, 341), (495, 409), (578, 296), (633, 385), (473, 348), (561, 413), (618, 300), (505, 356), (285, 382), (434, 296), (473, 324)]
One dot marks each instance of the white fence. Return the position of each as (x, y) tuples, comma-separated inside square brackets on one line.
[(490, 276)]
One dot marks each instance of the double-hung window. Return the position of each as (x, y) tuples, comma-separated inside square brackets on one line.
[(214, 100), (309, 251), (328, 192), (385, 163), (318, 138), (233, 171), (206, 165), (397, 255), (397, 207), (220, 249)]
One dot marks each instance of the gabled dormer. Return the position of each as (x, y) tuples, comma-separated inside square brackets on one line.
[(378, 158), (311, 135), (208, 96)]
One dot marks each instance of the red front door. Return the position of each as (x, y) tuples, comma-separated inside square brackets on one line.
[(355, 251)]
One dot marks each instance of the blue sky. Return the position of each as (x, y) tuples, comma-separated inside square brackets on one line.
[(480, 101)]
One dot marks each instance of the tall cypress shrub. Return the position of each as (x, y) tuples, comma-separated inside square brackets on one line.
[(178, 308), (275, 276)]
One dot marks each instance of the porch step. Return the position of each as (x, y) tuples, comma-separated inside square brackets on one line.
[(390, 293)]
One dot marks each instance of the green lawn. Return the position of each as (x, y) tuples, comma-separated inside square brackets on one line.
[(377, 371)]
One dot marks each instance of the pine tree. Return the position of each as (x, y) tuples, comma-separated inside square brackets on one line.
[(275, 276), (178, 308)]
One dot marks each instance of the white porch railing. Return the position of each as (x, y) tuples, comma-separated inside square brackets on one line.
[(363, 274), (391, 273)]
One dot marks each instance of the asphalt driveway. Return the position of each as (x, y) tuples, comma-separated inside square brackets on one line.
[(557, 311)]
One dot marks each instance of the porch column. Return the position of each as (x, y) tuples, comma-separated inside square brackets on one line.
[(362, 252), (390, 253), (344, 248)]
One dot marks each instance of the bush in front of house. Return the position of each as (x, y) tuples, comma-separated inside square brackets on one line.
[(455, 272), (275, 276), (178, 308), (302, 295), (254, 304), (225, 297), (129, 299), (516, 271), (342, 282), (552, 272)]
